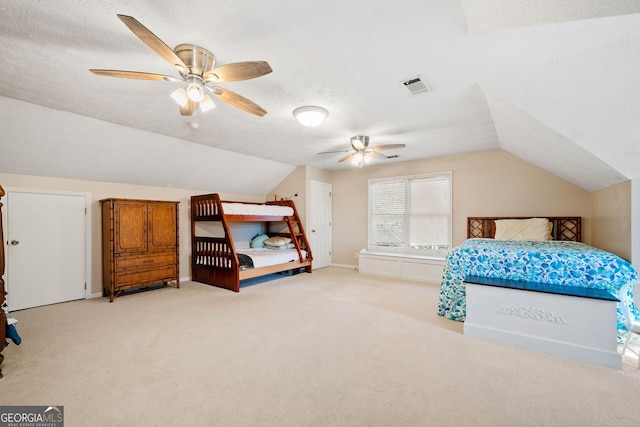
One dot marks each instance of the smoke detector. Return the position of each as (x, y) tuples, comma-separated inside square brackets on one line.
[(415, 85)]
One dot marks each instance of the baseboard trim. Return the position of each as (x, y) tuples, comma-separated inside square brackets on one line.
[(99, 294), (348, 266)]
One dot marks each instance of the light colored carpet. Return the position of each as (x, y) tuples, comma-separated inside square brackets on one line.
[(332, 348)]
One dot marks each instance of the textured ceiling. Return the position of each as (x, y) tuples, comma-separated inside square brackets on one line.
[(553, 82)]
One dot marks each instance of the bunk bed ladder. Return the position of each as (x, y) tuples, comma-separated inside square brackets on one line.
[(298, 237)]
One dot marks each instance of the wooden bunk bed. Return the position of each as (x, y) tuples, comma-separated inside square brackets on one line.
[(215, 260)]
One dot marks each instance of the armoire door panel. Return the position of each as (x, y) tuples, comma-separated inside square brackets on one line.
[(162, 226), (130, 230)]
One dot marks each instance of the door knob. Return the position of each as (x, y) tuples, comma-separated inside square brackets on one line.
[(313, 231), (15, 242)]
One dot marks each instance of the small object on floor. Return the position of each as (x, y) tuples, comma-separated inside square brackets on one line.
[(12, 333)]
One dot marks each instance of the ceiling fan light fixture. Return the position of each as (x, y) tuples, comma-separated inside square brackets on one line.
[(207, 104), (180, 96), (360, 159), (195, 91), (310, 116)]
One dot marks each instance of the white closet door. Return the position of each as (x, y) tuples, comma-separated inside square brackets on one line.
[(319, 230), (45, 249)]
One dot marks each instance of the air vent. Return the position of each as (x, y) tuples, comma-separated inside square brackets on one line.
[(415, 85)]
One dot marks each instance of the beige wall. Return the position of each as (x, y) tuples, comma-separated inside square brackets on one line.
[(297, 182), (294, 183), (488, 183), (102, 190), (611, 219)]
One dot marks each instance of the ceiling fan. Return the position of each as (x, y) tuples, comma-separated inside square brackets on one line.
[(196, 67), (362, 153)]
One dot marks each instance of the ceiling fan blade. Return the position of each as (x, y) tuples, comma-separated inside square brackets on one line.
[(336, 151), (151, 40), (238, 101), (347, 157), (238, 71), (134, 75), (376, 154), (189, 108), (386, 147)]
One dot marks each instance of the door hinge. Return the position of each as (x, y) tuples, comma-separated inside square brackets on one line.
[(85, 286)]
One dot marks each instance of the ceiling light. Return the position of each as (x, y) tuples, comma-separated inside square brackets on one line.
[(360, 159), (310, 116), (195, 92), (180, 96), (207, 104)]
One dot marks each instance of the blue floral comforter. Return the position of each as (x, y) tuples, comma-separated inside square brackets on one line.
[(549, 262)]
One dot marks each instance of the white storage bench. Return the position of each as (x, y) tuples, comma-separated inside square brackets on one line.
[(401, 266), (578, 323)]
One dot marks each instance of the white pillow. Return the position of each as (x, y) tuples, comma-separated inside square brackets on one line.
[(277, 241), (523, 229)]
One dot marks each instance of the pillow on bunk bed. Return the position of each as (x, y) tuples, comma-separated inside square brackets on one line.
[(282, 247), (277, 241), (258, 241), (523, 229)]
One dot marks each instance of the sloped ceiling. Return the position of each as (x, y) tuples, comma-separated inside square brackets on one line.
[(552, 82)]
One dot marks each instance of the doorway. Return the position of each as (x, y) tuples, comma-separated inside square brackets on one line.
[(47, 245)]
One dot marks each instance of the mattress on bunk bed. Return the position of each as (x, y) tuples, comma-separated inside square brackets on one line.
[(263, 257), (256, 209), (547, 262)]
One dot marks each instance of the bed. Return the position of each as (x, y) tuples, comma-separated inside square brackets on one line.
[(222, 262), (564, 261)]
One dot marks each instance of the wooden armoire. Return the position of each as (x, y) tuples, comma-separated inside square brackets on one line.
[(139, 244)]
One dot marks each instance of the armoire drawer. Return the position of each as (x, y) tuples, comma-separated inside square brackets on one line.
[(146, 277), (144, 261)]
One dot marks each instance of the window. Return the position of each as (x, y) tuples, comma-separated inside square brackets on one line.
[(411, 214)]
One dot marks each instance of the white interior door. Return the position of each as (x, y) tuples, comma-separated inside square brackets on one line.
[(45, 249), (319, 230)]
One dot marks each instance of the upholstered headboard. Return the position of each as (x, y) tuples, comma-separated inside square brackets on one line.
[(564, 227)]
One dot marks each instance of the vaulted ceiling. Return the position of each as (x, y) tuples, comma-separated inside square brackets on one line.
[(553, 82)]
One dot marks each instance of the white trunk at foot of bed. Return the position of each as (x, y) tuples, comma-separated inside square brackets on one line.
[(575, 327)]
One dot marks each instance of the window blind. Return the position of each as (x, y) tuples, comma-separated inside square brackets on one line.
[(411, 214)]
